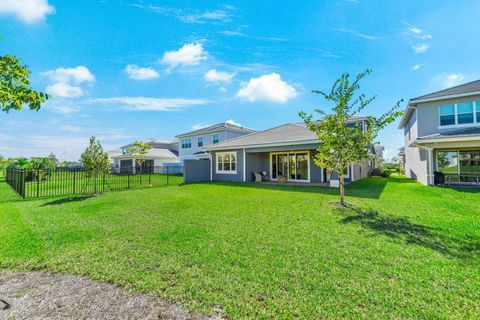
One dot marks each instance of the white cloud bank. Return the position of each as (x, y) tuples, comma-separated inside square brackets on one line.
[(67, 81), (268, 87), (27, 11), (149, 104), (136, 73), (189, 54), (218, 76)]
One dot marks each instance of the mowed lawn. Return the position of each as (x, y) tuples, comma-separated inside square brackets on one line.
[(259, 251)]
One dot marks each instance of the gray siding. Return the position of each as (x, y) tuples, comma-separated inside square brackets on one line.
[(196, 171), (237, 177), (207, 140), (315, 171), (257, 162)]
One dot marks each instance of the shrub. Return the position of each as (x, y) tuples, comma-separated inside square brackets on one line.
[(377, 172), (385, 174)]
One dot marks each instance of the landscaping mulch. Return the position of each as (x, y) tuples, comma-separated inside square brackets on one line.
[(41, 295)]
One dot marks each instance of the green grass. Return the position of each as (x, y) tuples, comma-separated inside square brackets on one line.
[(262, 251)]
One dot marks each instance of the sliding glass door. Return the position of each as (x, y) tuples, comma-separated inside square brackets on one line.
[(463, 165), (293, 165)]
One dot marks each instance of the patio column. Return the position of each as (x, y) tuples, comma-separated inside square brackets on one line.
[(133, 166), (430, 166), (244, 166)]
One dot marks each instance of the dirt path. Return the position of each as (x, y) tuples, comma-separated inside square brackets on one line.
[(40, 295)]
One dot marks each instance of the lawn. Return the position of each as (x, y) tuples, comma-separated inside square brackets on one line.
[(262, 251)]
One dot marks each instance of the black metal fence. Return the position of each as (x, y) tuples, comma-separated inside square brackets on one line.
[(36, 183)]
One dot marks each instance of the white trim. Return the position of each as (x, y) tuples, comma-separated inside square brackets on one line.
[(288, 167), (452, 139), (430, 166), (223, 171), (351, 170), (203, 141), (278, 144), (321, 174), (244, 166), (211, 166)]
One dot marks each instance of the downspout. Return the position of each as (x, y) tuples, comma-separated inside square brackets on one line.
[(244, 166)]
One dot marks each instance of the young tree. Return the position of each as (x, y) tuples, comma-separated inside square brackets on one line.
[(95, 161), (15, 89), (344, 142), (140, 151)]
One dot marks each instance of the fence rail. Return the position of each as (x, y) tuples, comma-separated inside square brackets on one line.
[(37, 183)]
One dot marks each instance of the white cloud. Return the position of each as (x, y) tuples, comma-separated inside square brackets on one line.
[(76, 75), (136, 73), (64, 90), (420, 48), (27, 11), (199, 126), (149, 104), (356, 33), (231, 121), (446, 80), (416, 33), (218, 76), (268, 87), (416, 67), (191, 16), (61, 107), (66, 81), (189, 54)]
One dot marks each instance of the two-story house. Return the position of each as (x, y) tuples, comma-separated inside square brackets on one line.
[(192, 144), (442, 133)]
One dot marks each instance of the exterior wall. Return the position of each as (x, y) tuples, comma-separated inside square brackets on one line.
[(257, 162), (207, 140), (360, 170), (196, 171), (429, 116), (315, 171), (237, 177), (416, 164)]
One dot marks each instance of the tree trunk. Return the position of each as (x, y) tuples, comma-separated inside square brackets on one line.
[(342, 188)]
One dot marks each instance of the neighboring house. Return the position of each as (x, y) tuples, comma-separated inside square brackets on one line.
[(192, 144), (283, 153), (442, 133), (161, 154)]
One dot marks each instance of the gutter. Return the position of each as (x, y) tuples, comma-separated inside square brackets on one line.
[(266, 145)]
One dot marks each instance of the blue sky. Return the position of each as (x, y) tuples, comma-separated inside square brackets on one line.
[(138, 69)]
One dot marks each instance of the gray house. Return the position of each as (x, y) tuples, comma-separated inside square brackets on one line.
[(284, 153), (442, 134), (192, 144)]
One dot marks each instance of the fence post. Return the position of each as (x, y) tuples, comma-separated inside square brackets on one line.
[(167, 177), (38, 183), (128, 180), (150, 175), (22, 184), (74, 181)]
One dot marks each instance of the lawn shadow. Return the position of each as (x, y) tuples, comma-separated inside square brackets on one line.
[(67, 200), (365, 188), (400, 228)]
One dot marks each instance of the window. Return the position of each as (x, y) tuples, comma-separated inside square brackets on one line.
[(447, 162), (447, 115), (477, 105), (465, 112), (186, 143), (216, 138), (200, 142), (227, 162)]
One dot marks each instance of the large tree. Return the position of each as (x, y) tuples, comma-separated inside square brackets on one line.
[(344, 142), (15, 88), (95, 161)]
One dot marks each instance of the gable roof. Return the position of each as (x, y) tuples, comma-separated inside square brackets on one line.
[(152, 153), (463, 90), (284, 134), (216, 127)]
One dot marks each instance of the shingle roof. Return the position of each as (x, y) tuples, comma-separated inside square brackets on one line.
[(454, 133), (216, 127), (287, 133), (473, 86)]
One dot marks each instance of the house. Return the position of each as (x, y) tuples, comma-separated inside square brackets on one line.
[(442, 134), (192, 144), (283, 153), (162, 153)]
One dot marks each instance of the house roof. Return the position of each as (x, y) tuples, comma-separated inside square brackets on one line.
[(153, 141), (152, 153), (454, 133), (284, 134), (463, 90), (290, 133), (216, 127)]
